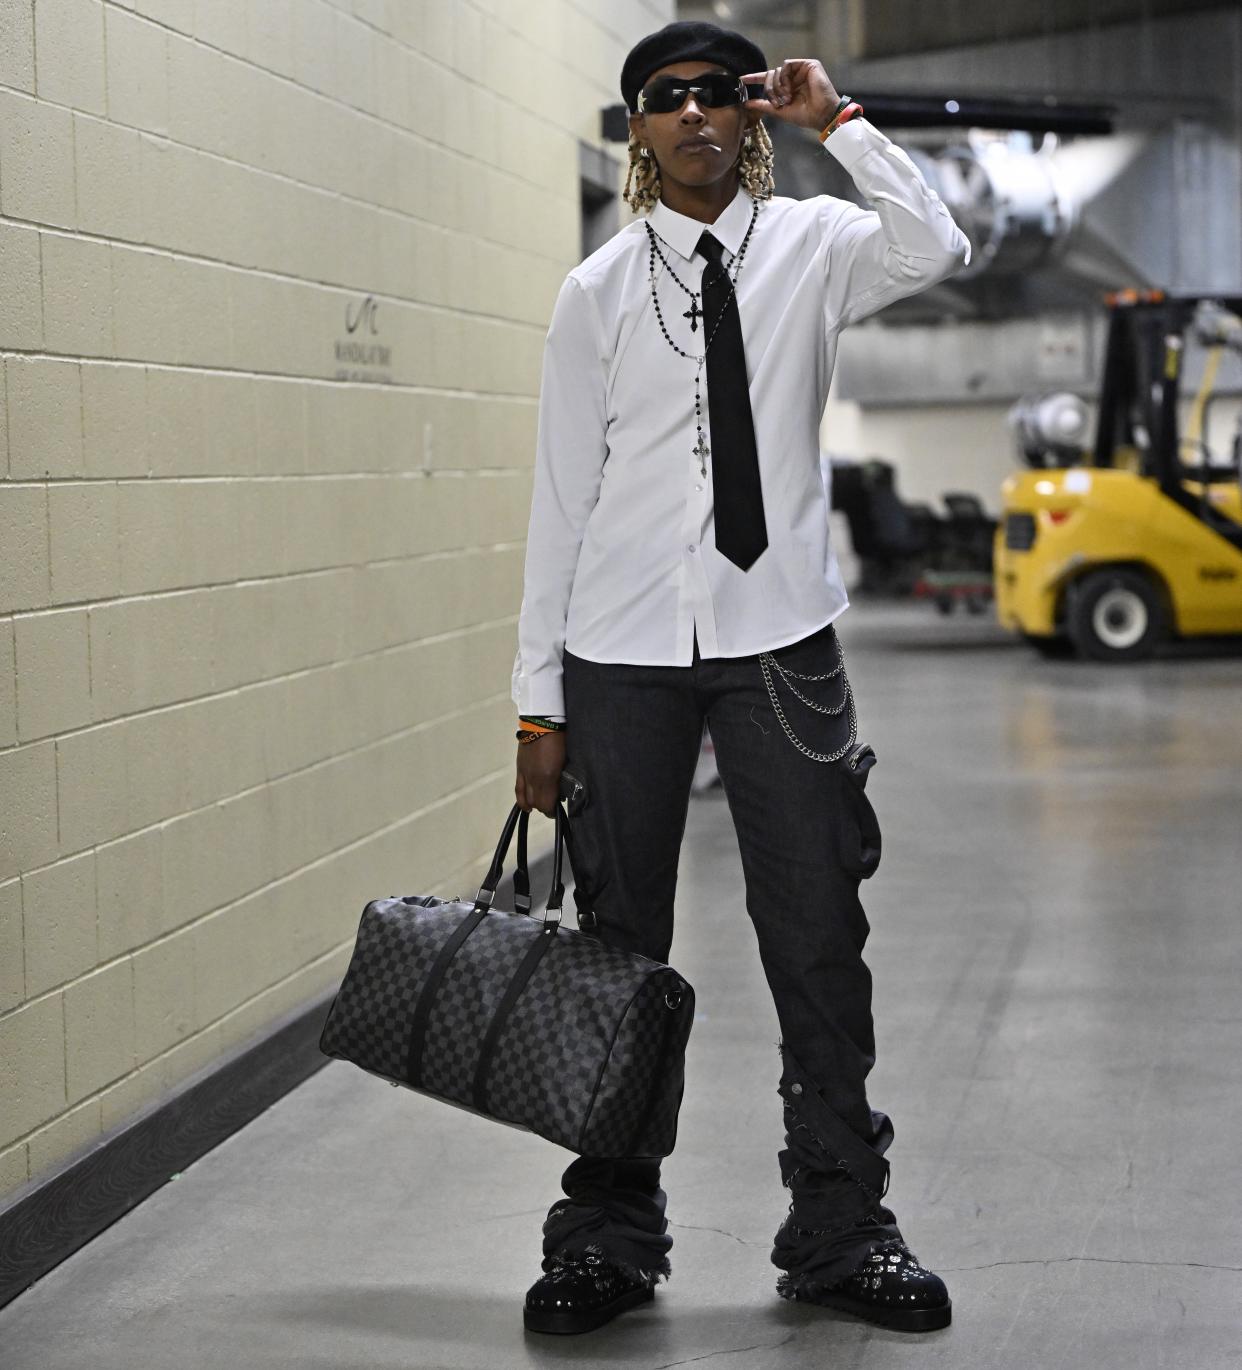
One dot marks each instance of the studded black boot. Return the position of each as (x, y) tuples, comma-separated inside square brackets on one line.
[(578, 1293), (890, 1288)]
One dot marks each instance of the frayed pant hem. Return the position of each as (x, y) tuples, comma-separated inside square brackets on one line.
[(795, 1285), (650, 1275)]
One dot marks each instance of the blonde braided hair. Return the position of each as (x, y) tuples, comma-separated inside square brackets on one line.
[(754, 171)]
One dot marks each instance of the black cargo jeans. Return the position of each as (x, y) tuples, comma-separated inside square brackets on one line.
[(808, 835)]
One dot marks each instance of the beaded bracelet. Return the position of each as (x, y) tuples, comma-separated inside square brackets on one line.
[(851, 109)]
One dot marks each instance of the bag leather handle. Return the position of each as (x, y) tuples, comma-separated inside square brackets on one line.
[(519, 818), (586, 914), (521, 872)]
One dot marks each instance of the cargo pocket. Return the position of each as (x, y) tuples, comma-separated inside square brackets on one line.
[(862, 852)]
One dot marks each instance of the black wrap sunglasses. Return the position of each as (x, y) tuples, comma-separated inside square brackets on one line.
[(715, 89)]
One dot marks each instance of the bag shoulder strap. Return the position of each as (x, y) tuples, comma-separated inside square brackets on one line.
[(435, 977), (517, 984)]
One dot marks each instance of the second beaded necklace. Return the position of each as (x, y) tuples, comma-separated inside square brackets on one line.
[(700, 449)]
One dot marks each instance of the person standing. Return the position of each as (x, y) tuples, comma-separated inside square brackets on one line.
[(679, 569)]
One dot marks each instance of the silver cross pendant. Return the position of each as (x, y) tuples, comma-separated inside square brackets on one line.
[(701, 451)]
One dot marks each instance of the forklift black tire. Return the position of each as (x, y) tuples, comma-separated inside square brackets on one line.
[(1115, 615), (1052, 648), (944, 604)]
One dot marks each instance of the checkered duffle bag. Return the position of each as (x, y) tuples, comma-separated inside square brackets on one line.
[(515, 1017)]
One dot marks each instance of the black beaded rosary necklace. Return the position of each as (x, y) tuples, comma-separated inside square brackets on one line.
[(700, 449)]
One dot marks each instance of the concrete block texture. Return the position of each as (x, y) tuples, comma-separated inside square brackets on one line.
[(53, 673), (25, 571), (77, 295), (45, 417), (28, 807), (12, 971), (107, 172), (114, 420), (65, 1136), (69, 48), (21, 277), (129, 876), (32, 1064), (274, 285), (99, 1029), (14, 1166), (82, 524), (146, 313), (164, 992), (171, 14), (137, 71), (36, 161), (17, 52), (222, 25), (60, 923), (8, 685)]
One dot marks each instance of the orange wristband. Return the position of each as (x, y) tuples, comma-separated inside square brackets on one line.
[(844, 117), (530, 731)]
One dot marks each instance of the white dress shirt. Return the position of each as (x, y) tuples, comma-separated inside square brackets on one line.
[(621, 562)]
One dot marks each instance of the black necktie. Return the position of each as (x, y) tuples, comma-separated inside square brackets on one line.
[(740, 531)]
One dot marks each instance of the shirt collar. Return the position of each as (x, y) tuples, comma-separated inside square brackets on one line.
[(682, 232)]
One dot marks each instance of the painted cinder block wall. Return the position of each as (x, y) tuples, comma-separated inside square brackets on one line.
[(274, 282)]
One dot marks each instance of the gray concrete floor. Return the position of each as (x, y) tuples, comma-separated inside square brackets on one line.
[(1056, 948)]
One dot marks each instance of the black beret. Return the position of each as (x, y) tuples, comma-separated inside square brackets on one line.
[(686, 41)]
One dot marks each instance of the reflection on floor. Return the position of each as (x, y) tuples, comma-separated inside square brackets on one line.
[(1057, 949)]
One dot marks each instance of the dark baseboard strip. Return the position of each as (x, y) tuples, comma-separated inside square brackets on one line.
[(41, 1227)]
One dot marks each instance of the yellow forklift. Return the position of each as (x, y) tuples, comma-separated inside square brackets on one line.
[(1110, 552)]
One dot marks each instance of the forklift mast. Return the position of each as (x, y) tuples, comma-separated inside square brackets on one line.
[(1142, 386)]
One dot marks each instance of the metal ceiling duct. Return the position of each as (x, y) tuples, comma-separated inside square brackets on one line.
[(1054, 224), (1053, 228), (1006, 199), (1068, 212)]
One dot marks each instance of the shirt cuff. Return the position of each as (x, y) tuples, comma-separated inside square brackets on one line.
[(541, 694), (854, 140)]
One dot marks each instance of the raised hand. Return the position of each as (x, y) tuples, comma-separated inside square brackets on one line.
[(798, 91)]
